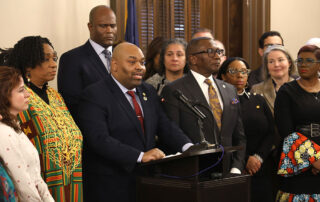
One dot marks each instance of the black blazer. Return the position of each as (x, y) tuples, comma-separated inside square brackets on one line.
[(78, 68), (232, 132), (113, 138)]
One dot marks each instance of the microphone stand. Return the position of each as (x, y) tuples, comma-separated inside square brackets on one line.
[(215, 145), (203, 144)]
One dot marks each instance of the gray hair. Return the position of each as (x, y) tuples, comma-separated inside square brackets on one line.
[(292, 67)]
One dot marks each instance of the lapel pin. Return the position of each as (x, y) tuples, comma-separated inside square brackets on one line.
[(224, 86), (234, 101), (258, 106), (144, 96)]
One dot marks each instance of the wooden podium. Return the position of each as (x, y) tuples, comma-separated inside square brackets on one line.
[(175, 179)]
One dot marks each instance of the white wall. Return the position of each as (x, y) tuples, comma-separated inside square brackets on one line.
[(64, 22), (296, 20)]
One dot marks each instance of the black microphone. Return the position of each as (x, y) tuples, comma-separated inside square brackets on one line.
[(179, 95), (203, 144)]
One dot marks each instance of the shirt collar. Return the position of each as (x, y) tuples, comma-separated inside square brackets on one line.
[(123, 89), (200, 78), (98, 48), (245, 93)]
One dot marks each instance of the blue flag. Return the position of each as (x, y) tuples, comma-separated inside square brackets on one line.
[(132, 23)]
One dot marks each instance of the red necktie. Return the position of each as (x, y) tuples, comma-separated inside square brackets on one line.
[(137, 108)]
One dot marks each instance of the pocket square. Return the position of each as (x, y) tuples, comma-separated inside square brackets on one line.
[(234, 101)]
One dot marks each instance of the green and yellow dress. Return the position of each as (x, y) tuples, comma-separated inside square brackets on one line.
[(58, 140)]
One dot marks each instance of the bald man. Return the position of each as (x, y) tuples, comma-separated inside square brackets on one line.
[(202, 32), (90, 62), (119, 117)]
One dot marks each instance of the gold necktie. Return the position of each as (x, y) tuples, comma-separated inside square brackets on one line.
[(214, 103)]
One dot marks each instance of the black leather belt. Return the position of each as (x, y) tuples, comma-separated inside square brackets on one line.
[(312, 130)]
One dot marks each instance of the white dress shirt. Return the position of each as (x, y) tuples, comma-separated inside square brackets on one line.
[(205, 87)]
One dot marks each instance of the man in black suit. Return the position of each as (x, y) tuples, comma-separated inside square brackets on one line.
[(90, 62), (116, 139), (204, 60)]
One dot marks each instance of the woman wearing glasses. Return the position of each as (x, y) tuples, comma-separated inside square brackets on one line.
[(297, 115), (258, 125), (172, 64)]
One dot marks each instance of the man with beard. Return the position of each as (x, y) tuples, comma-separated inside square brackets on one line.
[(119, 117)]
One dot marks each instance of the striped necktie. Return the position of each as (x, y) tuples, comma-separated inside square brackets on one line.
[(214, 103), (107, 55)]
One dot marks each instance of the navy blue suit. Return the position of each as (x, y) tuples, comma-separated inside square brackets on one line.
[(113, 138), (78, 68)]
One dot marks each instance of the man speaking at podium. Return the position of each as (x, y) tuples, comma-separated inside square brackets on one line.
[(214, 98), (119, 118)]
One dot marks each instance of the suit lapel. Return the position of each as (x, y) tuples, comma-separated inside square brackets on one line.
[(95, 59), (126, 106), (193, 90)]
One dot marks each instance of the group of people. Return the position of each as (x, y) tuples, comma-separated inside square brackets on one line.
[(113, 112)]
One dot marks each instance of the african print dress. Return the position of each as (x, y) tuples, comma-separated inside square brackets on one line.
[(7, 190), (59, 142)]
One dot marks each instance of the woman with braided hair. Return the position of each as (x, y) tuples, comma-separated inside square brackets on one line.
[(47, 122)]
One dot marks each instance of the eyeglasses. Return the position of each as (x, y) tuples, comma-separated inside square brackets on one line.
[(270, 44), (244, 72), (306, 61), (211, 52)]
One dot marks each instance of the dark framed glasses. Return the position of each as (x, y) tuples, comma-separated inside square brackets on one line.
[(306, 62), (234, 71), (211, 52)]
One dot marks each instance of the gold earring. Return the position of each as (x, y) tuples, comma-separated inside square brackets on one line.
[(28, 78)]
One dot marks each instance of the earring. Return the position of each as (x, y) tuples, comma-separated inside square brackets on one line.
[(28, 78)]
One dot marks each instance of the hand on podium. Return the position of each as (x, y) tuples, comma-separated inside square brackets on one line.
[(152, 154)]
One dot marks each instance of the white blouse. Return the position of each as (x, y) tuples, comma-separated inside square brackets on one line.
[(22, 162)]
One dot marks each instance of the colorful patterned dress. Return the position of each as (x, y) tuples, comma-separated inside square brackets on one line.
[(59, 143), (295, 109), (7, 191)]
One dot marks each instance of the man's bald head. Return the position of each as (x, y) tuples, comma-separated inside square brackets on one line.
[(127, 65), (96, 10), (118, 51), (102, 25)]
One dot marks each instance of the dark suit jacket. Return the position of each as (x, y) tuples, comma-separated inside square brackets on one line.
[(113, 138), (255, 76), (78, 68), (232, 133)]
